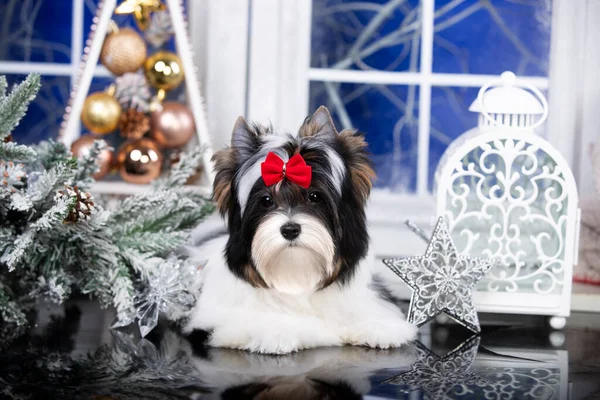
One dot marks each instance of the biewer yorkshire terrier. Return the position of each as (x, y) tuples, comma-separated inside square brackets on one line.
[(293, 273)]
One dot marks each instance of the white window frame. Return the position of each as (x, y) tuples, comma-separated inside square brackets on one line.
[(255, 56)]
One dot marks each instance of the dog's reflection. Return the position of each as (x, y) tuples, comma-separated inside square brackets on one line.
[(324, 373), (293, 388)]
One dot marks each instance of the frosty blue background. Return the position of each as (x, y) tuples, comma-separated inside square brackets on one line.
[(471, 37)]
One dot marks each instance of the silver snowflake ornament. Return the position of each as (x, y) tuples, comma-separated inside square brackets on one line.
[(442, 377), (166, 290), (442, 280)]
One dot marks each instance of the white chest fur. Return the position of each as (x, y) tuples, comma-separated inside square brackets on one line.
[(267, 321)]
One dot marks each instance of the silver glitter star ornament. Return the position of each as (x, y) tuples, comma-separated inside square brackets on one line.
[(442, 280)]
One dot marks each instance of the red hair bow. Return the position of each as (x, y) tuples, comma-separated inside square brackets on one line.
[(274, 170)]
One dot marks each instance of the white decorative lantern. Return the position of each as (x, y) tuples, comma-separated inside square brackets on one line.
[(508, 194)]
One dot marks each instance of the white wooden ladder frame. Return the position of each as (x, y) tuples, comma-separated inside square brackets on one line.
[(70, 128)]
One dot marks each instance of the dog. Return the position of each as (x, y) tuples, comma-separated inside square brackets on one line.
[(293, 271)]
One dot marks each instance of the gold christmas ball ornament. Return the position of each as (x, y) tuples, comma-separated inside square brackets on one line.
[(163, 70), (140, 161), (101, 113), (123, 51), (173, 126), (81, 148)]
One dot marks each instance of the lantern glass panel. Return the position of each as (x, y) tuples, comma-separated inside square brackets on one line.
[(366, 35), (507, 199)]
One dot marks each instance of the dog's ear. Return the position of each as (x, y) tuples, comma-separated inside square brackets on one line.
[(244, 140), (244, 143), (320, 123), (225, 166), (359, 165)]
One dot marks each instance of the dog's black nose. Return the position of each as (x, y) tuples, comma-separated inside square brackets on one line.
[(290, 231)]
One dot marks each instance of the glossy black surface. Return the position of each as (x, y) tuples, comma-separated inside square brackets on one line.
[(71, 354)]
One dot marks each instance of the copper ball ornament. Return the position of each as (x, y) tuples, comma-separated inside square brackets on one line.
[(81, 148), (101, 113), (163, 70), (123, 51), (140, 161), (173, 126)]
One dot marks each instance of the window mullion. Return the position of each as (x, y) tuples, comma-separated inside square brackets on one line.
[(427, 24)]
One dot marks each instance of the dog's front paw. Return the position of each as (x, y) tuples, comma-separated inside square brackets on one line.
[(273, 343), (258, 342), (382, 334)]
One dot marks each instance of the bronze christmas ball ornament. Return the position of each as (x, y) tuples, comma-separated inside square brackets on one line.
[(123, 51), (173, 126), (81, 148), (101, 113), (164, 70), (140, 161)]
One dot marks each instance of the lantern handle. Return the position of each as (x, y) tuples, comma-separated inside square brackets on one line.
[(509, 79)]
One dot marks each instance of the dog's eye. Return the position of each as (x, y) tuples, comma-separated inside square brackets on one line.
[(314, 197), (266, 201)]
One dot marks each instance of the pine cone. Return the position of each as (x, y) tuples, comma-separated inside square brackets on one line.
[(133, 124), (12, 176), (132, 91), (83, 208), (160, 30)]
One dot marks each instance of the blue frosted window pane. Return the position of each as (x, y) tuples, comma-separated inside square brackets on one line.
[(340, 38), (100, 84), (471, 37), (489, 37), (45, 113), (36, 30), (381, 113), (450, 117)]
